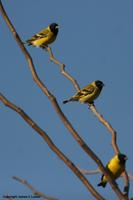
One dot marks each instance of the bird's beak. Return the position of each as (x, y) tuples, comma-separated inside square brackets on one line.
[(57, 26)]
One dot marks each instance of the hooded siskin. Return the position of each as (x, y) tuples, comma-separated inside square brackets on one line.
[(88, 94), (44, 37), (115, 167)]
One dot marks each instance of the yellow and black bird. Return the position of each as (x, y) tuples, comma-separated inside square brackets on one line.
[(88, 94), (115, 167), (44, 37)]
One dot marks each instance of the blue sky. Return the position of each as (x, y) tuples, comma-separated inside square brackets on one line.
[(95, 42)]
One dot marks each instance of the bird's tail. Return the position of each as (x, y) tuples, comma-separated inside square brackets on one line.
[(68, 100), (103, 184)]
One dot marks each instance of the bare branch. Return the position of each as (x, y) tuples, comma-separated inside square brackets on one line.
[(52, 146), (95, 112), (108, 126), (35, 192), (62, 69), (89, 172), (97, 171)]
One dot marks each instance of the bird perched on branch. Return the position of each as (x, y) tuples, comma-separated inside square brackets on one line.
[(88, 94), (44, 37), (115, 167)]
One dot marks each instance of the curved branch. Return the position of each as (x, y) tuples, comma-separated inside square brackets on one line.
[(95, 112), (62, 69), (34, 191), (52, 146), (108, 126), (89, 172), (97, 171)]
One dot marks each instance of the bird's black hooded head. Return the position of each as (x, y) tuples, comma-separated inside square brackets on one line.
[(122, 158), (54, 28), (99, 84)]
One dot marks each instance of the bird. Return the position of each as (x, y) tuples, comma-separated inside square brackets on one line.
[(44, 37), (88, 94), (115, 167)]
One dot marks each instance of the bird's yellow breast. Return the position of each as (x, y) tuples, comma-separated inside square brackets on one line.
[(115, 168)]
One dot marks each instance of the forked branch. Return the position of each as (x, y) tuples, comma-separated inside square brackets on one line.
[(95, 112)]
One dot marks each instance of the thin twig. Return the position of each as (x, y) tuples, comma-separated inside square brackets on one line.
[(89, 172), (34, 191), (52, 146), (53, 100), (62, 69), (108, 126), (97, 171)]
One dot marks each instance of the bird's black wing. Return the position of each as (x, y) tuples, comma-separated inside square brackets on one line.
[(41, 34), (85, 91), (88, 90)]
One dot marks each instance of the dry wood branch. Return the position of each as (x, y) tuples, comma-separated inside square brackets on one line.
[(52, 146), (97, 171), (59, 111), (108, 126), (114, 142), (95, 112), (89, 172), (34, 191), (62, 69)]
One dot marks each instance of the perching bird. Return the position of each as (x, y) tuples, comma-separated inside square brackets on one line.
[(88, 94), (44, 37), (115, 167)]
